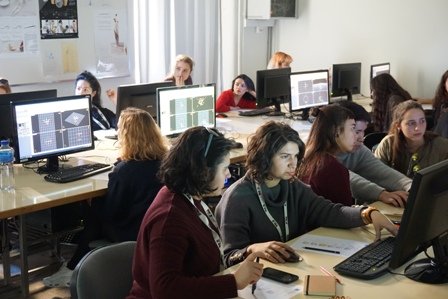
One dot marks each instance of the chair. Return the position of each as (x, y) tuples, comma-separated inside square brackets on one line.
[(371, 140), (105, 272)]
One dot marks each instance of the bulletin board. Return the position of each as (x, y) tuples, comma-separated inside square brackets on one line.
[(54, 40)]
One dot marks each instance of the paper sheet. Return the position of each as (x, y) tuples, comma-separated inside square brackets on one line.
[(267, 288), (328, 245)]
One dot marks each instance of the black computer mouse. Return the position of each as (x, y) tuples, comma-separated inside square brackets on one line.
[(294, 257), (221, 115)]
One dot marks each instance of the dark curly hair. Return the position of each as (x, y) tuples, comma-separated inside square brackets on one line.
[(94, 84), (441, 97), (265, 143), (187, 168), (249, 84)]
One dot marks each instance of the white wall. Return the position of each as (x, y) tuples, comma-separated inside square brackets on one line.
[(410, 34)]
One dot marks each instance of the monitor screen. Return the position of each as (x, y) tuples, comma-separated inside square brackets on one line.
[(308, 89), (346, 80), (380, 68), (48, 128), (5, 111), (141, 96), (273, 87), (183, 107), (425, 223)]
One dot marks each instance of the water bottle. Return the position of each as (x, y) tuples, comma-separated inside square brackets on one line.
[(6, 166)]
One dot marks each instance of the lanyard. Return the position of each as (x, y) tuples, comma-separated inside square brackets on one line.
[(268, 214), (206, 220), (99, 123)]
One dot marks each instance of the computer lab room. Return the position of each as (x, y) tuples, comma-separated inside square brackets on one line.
[(223, 149)]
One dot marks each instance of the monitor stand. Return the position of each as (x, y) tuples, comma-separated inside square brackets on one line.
[(278, 110), (349, 95), (52, 165)]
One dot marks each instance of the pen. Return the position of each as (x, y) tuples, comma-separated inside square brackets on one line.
[(323, 250), (254, 285), (330, 274)]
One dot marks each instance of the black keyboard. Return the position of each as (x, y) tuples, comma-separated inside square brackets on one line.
[(369, 262), (65, 175), (256, 112)]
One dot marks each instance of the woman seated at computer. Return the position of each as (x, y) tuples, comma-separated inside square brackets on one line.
[(440, 106), (332, 133), (279, 60), (386, 94), (179, 248), (102, 118), (241, 96), (270, 206), (4, 86), (133, 185), (409, 147), (181, 71)]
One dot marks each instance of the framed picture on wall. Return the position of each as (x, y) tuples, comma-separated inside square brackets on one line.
[(284, 9)]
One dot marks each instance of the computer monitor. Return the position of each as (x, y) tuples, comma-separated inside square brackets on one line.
[(141, 96), (425, 223), (273, 88), (5, 111), (183, 107), (308, 89), (346, 80), (48, 128), (380, 68)]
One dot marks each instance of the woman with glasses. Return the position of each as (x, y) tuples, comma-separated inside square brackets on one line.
[(332, 133), (409, 147), (241, 95), (179, 247), (103, 118), (4, 86), (270, 206)]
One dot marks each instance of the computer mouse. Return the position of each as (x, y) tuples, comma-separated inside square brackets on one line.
[(294, 257), (221, 115), (238, 145), (95, 138)]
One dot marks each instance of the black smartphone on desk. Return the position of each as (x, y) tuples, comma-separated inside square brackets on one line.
[(278, 275)]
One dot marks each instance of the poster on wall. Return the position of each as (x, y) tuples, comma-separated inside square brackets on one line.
[(58, 19)]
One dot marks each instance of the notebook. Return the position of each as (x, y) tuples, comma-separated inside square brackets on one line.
[(320, 285)]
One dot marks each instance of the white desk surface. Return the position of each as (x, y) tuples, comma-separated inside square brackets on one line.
[(384, 287)]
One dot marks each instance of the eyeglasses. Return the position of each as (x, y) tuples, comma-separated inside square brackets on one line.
[(4, 81), (209, 142)]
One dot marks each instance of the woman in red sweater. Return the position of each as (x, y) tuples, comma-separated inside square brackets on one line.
[(242, 95), (179, 247)]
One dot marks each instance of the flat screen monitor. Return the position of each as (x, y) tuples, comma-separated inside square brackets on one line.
[(273, 88), (141, 96), (379, 68), (346, 80), (5, 111), (48, 128), (308, 89), (425, 223), (183, 107)]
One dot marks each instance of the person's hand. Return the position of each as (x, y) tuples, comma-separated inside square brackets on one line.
[(396, 198), (179, 81), (253, 93), (112, 95), (249, 271), (273, 251), (380, 221)]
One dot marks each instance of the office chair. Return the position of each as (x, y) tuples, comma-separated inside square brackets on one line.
[(105, 272), (372, 140)]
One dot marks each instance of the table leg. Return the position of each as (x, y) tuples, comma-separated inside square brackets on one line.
[(24, 283)]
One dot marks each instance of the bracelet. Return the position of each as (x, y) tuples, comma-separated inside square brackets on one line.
[(366, 214)]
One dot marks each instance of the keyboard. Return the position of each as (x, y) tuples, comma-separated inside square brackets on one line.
[(369, 262), (65, 175), (256, 112)]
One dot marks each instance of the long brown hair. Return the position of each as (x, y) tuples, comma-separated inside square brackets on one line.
[(139, 136), (441, 97)]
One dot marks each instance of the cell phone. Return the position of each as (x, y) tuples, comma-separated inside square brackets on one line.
[(278, 275)]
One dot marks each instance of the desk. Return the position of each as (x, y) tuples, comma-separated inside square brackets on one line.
[(387, 286)]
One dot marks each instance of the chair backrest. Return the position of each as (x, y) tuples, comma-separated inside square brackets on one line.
[(105, 272), (372, 139)]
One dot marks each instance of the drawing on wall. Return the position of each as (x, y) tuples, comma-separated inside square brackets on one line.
[(283, 8), (58, 19)]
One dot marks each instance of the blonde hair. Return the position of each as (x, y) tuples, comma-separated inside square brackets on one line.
[(279, 60), (139, 136), (184, 58)]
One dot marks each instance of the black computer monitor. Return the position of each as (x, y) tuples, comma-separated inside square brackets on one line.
[(273, 88), (308, 89), (425, 223), (346, 80), (141, 96), (48, 128), (183, 107), (5, 111), (380, 68)]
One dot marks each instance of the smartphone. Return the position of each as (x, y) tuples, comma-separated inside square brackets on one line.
[(278, 275)]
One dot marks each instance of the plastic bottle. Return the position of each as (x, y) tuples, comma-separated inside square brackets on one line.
[(6, 166)]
